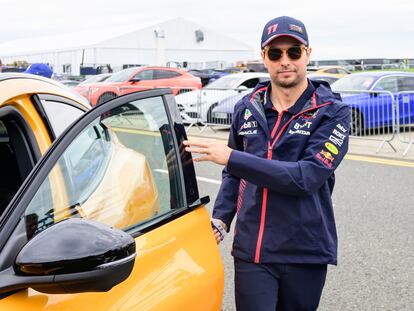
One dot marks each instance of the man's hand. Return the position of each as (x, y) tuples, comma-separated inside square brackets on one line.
[(213, 150), (217, 235)]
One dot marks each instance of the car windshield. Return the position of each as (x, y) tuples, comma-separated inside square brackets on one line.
[(353, 82), (93, 79), (224, 83), (121, 76)]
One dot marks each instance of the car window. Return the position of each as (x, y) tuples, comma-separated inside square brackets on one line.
[(250, 83), (332, 70), (165, 74), (387, 84), (341, 71), (145, 75), (60, 115), (122, 170), (121, 76), (405, 84)]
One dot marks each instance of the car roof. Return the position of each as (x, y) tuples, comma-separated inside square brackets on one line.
[(382, 73), (28, 83)]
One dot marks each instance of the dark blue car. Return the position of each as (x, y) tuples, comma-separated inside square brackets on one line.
[(371, 96)]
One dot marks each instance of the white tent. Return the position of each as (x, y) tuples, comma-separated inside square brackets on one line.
[(176, 40)]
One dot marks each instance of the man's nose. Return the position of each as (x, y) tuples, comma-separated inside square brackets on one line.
[(284, 60)]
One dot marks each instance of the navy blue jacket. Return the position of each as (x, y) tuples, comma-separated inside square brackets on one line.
[(279, 181)]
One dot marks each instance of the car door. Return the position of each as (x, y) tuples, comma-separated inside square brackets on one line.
[(143, 80), (381, 108), (405, 100), (121, 164)]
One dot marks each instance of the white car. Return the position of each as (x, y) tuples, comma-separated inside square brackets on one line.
[(196, 106)]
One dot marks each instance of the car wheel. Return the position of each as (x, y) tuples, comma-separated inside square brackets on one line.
[(357, 123), (210, 118), (105, 97)]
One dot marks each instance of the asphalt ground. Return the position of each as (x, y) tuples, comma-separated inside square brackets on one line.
[(373, 201)]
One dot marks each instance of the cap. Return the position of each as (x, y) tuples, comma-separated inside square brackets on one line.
[(39, 69), (284, 26)]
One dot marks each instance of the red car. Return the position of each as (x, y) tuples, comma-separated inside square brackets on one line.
[(139, 79)]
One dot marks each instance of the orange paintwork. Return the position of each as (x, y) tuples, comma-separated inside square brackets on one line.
[(178, 267), (185, 81)]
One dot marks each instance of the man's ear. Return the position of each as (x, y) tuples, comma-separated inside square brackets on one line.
[(263, 58)]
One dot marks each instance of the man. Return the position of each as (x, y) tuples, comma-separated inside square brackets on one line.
[(287, 138)]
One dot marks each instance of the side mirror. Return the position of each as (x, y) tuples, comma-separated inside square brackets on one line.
[(134, 80), (72, 256), (242, 88)]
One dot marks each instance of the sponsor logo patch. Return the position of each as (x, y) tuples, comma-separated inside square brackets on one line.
[(248, 132), (299, 132), (247, 114), (296, 28), (331, 148), (249, 125), (324, 160)]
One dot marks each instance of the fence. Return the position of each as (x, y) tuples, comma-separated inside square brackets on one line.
[(376, 115)]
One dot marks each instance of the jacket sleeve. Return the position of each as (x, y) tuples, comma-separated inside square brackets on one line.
[(326, 148), (226, 203)]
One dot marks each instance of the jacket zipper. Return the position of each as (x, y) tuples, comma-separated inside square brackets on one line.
[(270, 146)]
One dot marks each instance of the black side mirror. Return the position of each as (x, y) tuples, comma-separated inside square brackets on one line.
[(73, 256), (134, 80)]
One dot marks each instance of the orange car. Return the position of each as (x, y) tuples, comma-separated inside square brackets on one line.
[(99, 208), (138, 79)]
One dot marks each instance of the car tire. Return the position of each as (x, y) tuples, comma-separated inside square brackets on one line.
[(210, 118), (356, 127), (105, 97)]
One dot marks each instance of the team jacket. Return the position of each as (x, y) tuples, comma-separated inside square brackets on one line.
[(279, 181)]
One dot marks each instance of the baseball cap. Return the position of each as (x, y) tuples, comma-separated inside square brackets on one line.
[(284, 26), (39, 69)]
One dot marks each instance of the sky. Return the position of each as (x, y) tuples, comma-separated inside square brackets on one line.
[(336, 29)]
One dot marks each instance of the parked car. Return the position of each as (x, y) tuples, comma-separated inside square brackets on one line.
[(142, 78), (334, 71), (96, 78), (100, 200), (222, 114), (84, 87), (70, 83), (207, 75), (371, 96), (197, 106), (323, 77)]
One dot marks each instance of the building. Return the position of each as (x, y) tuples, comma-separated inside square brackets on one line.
[(176, 41)]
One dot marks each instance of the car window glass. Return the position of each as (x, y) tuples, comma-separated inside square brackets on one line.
[(121, 170), (387, 84), (405, 84), (145, 75), (60, 115), (250, 83), (165, 74), (121, 76)]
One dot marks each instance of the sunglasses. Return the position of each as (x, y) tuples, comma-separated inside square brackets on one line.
[(274, 54)]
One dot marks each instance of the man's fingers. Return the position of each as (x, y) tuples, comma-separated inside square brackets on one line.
[(197, 150)]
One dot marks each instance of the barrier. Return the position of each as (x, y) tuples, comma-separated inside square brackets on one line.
[(375, 115), (372, 115), (404, 102)]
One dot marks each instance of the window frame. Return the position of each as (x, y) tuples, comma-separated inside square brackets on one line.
[(41, 171)]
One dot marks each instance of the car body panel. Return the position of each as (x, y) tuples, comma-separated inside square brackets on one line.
[(184, 81), (372, 96), (164, 278), (178, 264)]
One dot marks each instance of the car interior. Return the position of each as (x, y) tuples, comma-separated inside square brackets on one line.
[(18, 153)]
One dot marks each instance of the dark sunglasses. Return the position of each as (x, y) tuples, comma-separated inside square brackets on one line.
[(274, 54)]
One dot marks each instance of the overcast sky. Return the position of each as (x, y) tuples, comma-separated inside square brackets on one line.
[(337, 29)]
